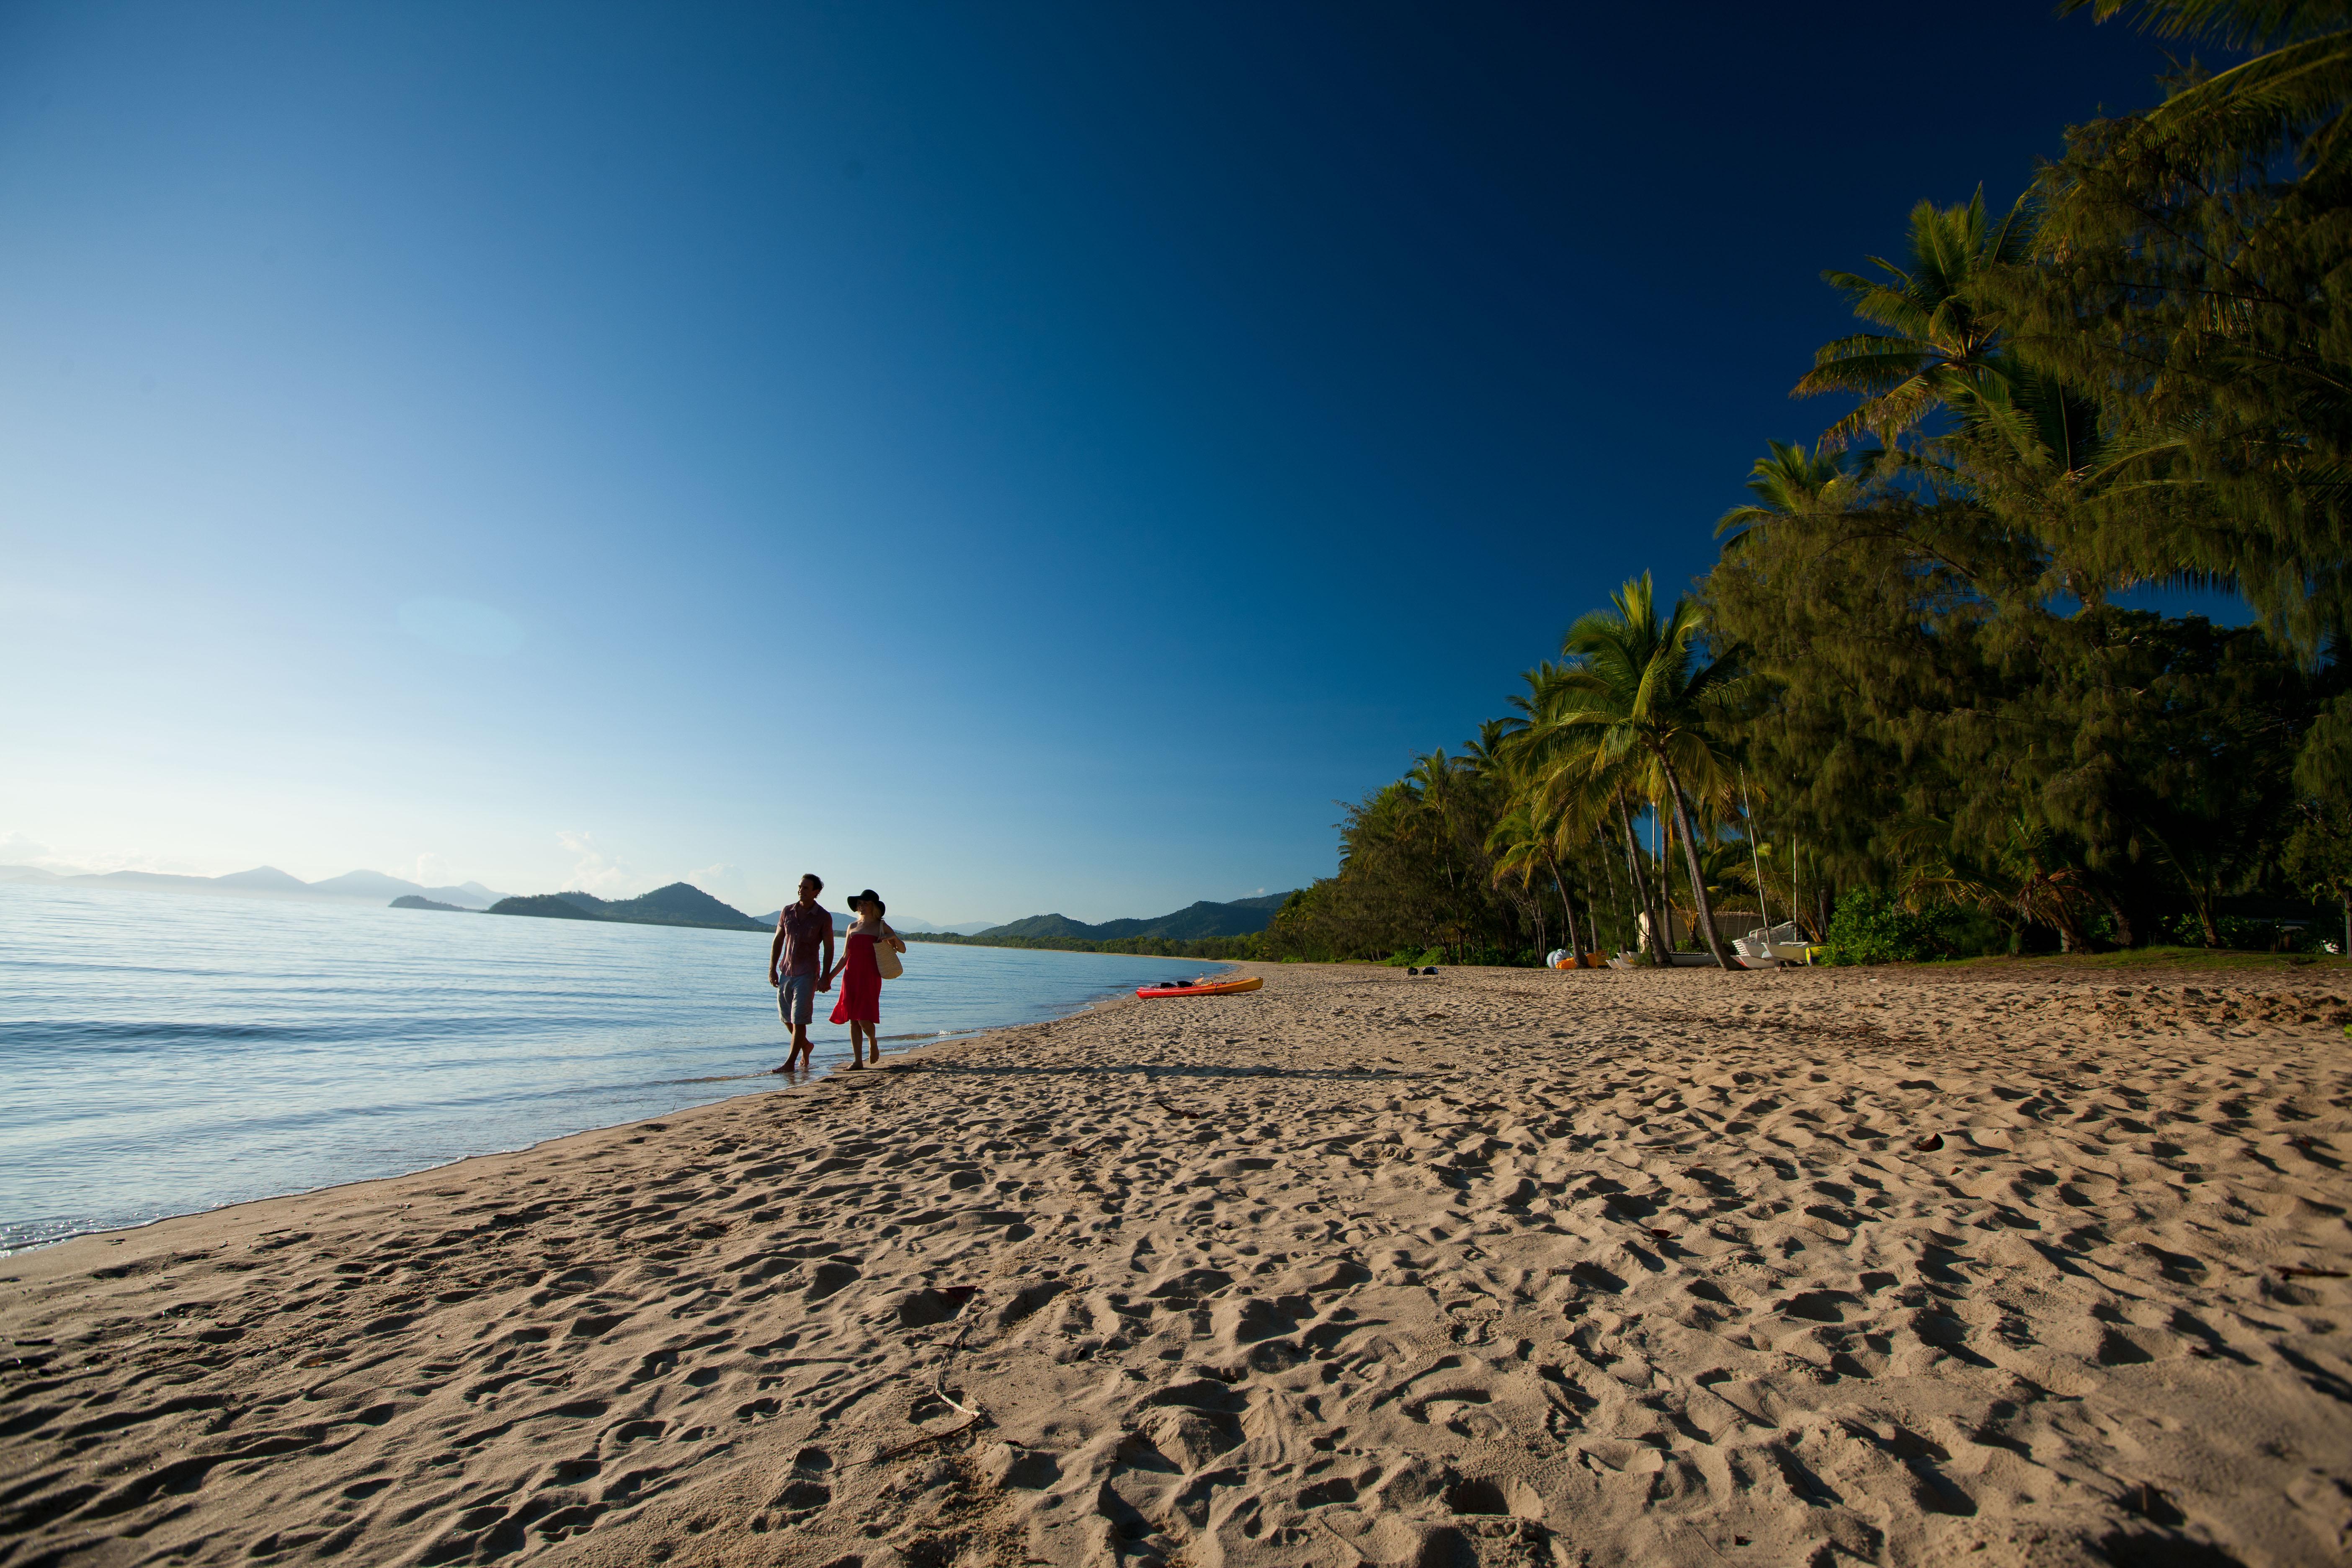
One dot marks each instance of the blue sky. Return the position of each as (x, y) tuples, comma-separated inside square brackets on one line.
[(1018, 457)]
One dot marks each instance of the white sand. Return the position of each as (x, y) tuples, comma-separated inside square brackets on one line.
[(1497, 1268)]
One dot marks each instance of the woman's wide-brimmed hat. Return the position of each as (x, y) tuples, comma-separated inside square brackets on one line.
[(868, 893)]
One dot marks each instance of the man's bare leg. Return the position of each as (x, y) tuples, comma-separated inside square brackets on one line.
[(799, 1043)]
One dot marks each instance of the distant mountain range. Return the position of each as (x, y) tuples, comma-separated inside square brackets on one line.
[(1240, 918), (897, 922), (266, 882), (679, 904)]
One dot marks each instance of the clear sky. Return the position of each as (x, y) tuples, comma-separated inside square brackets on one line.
[(1021, 457)]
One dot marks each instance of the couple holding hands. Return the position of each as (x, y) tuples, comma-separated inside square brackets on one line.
[(801, 964)]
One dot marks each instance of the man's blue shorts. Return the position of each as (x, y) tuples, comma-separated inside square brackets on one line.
[(796, 998)]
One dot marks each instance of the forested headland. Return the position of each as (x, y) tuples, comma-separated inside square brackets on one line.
[(1201, 929), (1204, 947), (1906, 709)]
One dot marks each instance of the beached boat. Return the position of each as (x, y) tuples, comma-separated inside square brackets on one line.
[(1207, 988), (1783, 942)]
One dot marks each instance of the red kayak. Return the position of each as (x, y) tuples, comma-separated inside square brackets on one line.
[(1213, 988)]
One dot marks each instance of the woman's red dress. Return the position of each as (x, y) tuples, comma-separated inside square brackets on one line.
[(861, 982)]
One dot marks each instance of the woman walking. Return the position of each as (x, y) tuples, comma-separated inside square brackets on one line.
[(860, 1006)]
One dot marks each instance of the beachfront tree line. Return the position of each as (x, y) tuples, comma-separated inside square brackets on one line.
[(1905, 708)]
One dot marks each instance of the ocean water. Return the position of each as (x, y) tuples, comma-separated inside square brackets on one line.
[(162, 1054)]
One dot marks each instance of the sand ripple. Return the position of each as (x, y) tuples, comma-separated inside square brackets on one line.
[(1497, 1268)]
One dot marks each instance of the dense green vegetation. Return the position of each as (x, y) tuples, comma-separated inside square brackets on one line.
[(1213, 947), (1906, 708)]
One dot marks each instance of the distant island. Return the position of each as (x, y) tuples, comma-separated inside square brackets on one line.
[(1202, 930), (679, 904)]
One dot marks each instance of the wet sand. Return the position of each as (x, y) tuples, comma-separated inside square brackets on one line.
[(1806, 1268)]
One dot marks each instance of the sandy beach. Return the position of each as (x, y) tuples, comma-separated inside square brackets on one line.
[(2006, 1265)]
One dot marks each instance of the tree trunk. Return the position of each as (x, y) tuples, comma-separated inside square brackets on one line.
[(2123, 921), (1666, 871), (1566, 908), (1699, 901), (1601, 841), (2072, 938), (1640, 886)]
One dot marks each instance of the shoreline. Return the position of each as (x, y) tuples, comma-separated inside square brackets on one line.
[(904, 1045), (1502, 1266)]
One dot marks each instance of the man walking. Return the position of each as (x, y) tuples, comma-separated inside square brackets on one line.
[(799, 961)]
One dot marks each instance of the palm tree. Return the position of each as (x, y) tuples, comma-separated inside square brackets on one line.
[(1726, 868), (1531, 837), (2025, 878), (1521, 850), (1791, 482), (1941, 347), (1634, 692), (1485, 755), (1578, 795)]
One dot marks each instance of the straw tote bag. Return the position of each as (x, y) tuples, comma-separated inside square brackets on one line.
[(885, 959)]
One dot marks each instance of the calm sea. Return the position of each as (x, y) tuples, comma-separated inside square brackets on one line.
[(162, 1054)]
